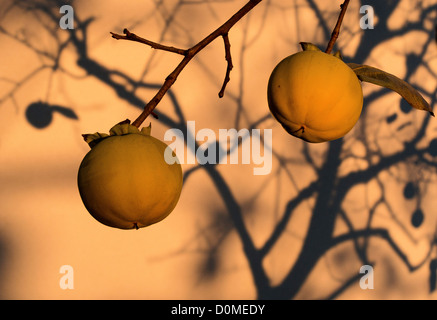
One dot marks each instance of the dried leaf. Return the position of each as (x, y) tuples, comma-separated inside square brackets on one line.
[(387, 80), (94, 138), (147, 130), (123, 128)]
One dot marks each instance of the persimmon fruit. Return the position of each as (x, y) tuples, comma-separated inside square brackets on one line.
[(124, 180), (315, 96)]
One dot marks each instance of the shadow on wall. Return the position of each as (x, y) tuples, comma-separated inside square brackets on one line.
[(40, 114), (4, 255), (331, 188)]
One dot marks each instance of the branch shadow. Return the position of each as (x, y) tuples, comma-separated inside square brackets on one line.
[(329, 187), (4, 262)]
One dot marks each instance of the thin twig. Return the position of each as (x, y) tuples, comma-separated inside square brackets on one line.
[(133, 37), (336, 30), (228, 58), (222, 31)]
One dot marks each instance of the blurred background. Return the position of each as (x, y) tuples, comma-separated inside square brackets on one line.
[(301, 232)]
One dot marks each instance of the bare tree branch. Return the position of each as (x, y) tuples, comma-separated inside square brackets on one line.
[(133, 37), (188, 55), (336, 31)]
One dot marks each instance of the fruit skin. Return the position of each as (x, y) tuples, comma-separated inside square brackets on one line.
[(124, 181), (315, 96)]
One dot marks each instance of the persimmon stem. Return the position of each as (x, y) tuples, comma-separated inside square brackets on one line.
[(188, 54), (336, 30)]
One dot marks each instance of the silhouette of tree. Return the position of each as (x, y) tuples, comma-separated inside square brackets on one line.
[(389, 159)]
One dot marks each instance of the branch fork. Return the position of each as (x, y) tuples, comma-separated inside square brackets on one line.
[(188, 54)]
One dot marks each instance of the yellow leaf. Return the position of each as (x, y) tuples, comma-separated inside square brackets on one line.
[(387, 80)]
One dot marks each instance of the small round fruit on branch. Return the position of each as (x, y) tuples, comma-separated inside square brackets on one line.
[(315, 96), (124, 180)]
